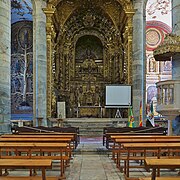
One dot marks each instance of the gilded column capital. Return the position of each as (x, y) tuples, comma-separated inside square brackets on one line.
[(126, 4), (49, 11)]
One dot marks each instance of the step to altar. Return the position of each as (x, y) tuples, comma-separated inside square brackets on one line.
[(93, 126)]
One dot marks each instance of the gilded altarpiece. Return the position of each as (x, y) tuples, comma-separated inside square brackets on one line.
[(91, 49)]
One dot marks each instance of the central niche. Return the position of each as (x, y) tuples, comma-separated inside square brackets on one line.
[(89, 58), (86, 86)]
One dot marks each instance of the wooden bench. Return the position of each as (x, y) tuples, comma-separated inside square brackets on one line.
[(27, 178), (44, 135), (30, 151), (117, 149), (42, 164), (161, 178), (158, 147), (109, 135), (48, 130), (43, 140), (155, 164), (107, 131)]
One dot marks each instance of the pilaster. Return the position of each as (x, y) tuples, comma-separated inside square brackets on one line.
[(40, 63), (5, 59), (139, 60)]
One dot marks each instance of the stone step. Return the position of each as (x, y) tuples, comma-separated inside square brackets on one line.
[(92, 152), (93, 126), (90, 146)]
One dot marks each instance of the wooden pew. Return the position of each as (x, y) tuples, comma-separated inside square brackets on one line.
[(161, 178), (158, 147), (32, 149), (119, 137), (37, 139), (155, 164), (117, 150), (55, 134), (47, 130), (42, 164), (107, 131), (42, 140), (71, 135), (27, 178), (109, 140)]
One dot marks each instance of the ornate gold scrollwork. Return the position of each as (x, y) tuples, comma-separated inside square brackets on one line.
[(169, 48), (81, 77), (49, 11)]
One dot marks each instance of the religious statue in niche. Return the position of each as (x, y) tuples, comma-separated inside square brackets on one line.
[(96, 97), (167, 65), (151, 63), (89, 65)]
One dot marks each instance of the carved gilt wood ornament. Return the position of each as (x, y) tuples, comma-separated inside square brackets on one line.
[(89, 45), (169, 48)]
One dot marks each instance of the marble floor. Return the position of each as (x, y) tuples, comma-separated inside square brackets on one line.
[(91, 161)]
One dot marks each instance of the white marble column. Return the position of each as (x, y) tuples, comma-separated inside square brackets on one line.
[(5, 61), (40, 64), (139, 59)]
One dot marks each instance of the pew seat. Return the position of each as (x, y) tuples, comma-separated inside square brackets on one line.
[(42, 164), (26, 178), (161, 178)]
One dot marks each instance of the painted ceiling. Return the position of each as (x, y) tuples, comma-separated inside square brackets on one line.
[(21, 10), (159, 10)]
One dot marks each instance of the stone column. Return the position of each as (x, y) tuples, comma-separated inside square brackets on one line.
[(40, 63), (176, 30), (139, 59), (175, 59), (5, 59)]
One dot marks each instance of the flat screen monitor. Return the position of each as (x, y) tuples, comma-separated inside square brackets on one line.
[(118, 95)]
